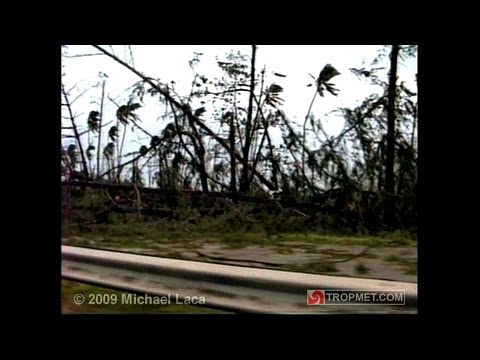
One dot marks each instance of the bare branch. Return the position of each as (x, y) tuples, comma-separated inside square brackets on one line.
[(185, 109), (81, 94), (81, 55), (131, 55), (77, 136)]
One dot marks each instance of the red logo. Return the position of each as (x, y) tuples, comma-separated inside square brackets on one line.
[(315, 297)]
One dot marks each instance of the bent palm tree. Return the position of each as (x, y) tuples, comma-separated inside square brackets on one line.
[(326, 74)]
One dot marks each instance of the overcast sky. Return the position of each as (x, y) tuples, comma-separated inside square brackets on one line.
[(170, 62)]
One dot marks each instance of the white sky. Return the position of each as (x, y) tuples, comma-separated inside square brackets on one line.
[(170, 62)]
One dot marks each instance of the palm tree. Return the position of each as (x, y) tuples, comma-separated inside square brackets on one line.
[(322, 82)]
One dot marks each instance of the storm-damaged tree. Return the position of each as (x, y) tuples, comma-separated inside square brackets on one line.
[(322, 84), (76, 132), (244, 179), (397, 154), (247, 126), (390, 159), (205, 147), (191, 119), (368, 128)]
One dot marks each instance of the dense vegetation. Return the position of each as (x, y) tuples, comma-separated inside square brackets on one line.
[(214, 158)]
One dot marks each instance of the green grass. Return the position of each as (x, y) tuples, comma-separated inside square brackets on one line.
[(411, 269), (283, 250), (70, 289), (226, 230), (399, 238), (154, 235), (174, 254), (314, 267), (360, 268), (370, 256), (392, 258), (176, 239)]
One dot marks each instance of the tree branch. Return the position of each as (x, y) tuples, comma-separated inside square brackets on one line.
[(77, 136), (185, 108)]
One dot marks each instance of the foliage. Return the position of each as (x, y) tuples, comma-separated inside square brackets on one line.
[(220, 134)]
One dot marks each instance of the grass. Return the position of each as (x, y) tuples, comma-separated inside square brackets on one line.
[(399, 238), (314, 267), (235, 226), (70, 289), (174, 254), (411, 268), (239, 228), (283, 250), (166, 232), (177, 239), (370, 256), (360, 268), (162, 238), (392, 258)]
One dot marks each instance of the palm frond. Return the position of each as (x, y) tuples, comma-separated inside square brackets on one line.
[(125, 113), (143, 150), (272, 97), (109, 150), (89, 152), (327, 73), (113, 133), (155, 140), (93, 121), (199, 111)]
